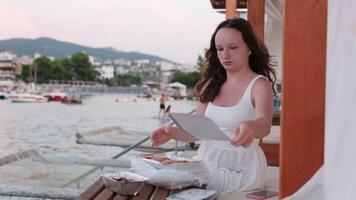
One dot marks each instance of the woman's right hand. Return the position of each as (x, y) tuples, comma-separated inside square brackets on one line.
[(160, 136)]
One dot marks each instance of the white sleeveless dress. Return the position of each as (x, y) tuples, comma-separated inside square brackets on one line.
[(233, 168)]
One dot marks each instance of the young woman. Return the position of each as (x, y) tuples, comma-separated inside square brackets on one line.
[(236, 92)]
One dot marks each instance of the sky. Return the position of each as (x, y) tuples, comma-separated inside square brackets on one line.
[(178, 30)]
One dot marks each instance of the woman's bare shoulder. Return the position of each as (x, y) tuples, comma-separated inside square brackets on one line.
[(262, 87), (262, 83)]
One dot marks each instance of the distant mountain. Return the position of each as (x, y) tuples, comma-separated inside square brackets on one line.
[(59, 49)]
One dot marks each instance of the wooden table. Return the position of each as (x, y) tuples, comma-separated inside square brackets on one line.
[(97, 191)]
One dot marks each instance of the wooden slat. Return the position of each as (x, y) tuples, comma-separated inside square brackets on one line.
[(92, 191), (272, 153), (231, 6), (105, 195), (160, 194), (303, 89), (121, 197), (145, 193), (256, 16), (149, 192)]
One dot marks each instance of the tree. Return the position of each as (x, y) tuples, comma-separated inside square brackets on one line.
[(83, 68), (189, 79), (68, 69), (25, 74), (62, 70), (200, 62), (44, 68)]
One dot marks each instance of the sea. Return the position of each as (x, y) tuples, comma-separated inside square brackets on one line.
[(50, 128)]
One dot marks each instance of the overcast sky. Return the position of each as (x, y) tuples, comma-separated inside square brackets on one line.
[(178, 30)]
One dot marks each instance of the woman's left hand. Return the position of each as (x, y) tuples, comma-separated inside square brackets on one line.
[(243, 135)]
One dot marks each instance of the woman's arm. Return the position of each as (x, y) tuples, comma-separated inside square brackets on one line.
[(262, 95), (260, 126), (164, 134)]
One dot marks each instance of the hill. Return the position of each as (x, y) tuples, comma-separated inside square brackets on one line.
[(59, 49)]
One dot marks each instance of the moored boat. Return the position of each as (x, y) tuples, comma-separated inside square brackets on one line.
[(74, 98), (55, 96), (27, 98), (3, 95), (72, 101)]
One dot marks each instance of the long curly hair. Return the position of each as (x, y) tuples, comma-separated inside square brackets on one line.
[(213, 74)]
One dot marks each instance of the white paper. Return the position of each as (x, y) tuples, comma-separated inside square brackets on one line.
[(202, 128)]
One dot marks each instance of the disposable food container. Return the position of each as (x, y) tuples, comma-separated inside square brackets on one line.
[(125, 183)]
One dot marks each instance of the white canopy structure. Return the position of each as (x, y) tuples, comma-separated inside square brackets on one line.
[(179, 90), (177, 85)]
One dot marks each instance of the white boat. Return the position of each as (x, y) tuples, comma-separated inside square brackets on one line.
[(27, 98)]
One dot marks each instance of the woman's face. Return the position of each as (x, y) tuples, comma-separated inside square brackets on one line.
[(232, 50)]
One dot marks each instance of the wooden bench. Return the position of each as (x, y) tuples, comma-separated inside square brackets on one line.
[(97, 191)]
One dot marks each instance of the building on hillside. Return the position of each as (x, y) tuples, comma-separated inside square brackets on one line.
[(121, 70), (37, 55), (106, 71), (187, 68), (108, 62), (91, 59), (24, 60), (94, 61), (122, 62), (7, 55), (166, 66), (141, 62), (8, 72)]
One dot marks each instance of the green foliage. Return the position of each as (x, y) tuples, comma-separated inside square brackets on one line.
[(188, 79), (200, 62), (77, 67), (82, 67), (25, 72), (44, 69)]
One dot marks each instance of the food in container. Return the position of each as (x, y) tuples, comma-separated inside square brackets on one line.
[(164, 160), (125, 183), (170, 161)]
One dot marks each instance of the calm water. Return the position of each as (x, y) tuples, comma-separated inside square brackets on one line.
[(52, 126)]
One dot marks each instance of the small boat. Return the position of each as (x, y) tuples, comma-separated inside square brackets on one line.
[(72, 101), (55, 96), (27, 98), (3, 95), (74, 98)]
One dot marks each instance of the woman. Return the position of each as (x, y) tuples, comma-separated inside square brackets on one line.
[(236, 92)]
